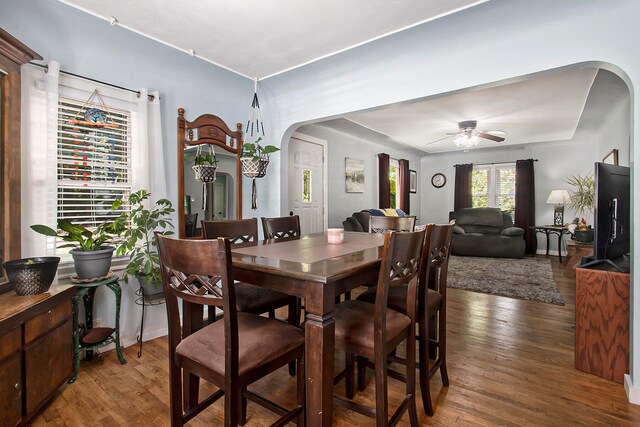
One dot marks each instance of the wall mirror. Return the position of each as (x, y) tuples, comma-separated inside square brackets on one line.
[(208, 137)]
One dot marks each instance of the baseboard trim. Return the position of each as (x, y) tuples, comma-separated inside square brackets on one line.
[(633, 393), (544, 252)]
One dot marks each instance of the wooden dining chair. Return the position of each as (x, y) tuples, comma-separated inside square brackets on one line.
[(382, 224), (251, 298), (284, 227), (432, 309), (372, 331), (231, 353)]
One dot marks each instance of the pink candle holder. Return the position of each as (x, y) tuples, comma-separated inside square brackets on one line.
[(335, 236)]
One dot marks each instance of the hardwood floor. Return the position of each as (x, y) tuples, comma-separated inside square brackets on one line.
[(510, 363)]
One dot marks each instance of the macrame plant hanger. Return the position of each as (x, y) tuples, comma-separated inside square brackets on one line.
[(205, 173), (255, 129)]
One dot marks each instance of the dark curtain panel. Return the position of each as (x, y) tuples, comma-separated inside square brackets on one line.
[(403, 191), (525, 203), (462, 195), (384, 187)]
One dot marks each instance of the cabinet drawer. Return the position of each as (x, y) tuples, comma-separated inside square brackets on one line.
[(46, 321), (10, 341)]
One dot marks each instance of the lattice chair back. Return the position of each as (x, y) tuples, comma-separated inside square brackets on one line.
[(241, 232), (382, 224), (435, 262), (286, 227)]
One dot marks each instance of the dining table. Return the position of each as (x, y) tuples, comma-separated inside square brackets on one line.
[(317, 271)]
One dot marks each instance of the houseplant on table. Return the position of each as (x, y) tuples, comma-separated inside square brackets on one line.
[(582, 199), (139, 240), (92, 253)]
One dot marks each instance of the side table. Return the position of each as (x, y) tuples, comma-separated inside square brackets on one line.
[(94, 338), (558, 230)]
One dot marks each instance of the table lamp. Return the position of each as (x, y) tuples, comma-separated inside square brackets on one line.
[(558, 198)]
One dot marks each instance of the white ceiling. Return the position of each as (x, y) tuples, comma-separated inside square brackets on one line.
[(542, 108), (258, 38)]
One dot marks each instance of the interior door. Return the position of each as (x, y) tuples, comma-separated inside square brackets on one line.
[(307, 184)]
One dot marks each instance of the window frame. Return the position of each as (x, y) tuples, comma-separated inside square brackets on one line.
[(493, 180)]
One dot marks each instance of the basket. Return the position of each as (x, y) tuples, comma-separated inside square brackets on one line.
[(33, 278), (205, 173), (254, 168)]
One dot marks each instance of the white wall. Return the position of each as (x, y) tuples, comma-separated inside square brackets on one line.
[(456, 52), (340, 145)]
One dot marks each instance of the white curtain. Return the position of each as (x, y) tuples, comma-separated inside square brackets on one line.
[(38, 160)]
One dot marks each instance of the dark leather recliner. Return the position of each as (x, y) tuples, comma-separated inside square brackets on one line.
[(486, 232)]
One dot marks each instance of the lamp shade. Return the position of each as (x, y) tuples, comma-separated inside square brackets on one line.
[(558, 197)]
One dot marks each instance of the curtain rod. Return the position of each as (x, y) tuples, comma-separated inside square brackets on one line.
[(46, 69), (495, 163)]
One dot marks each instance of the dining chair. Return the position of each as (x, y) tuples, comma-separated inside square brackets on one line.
[(382, 224), (432, 309), (231, 353), (285, 227), (373, 331), (251, 298), (190, 224)]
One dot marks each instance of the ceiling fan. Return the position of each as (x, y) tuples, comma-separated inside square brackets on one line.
[(468, 136)]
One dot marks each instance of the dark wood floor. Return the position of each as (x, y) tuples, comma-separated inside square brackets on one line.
[(510, 363)]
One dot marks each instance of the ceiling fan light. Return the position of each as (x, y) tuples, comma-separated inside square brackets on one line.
[(466, 140)]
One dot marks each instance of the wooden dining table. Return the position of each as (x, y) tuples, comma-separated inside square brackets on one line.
[(317, 271)]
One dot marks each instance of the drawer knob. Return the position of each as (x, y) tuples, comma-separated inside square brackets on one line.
[(17, 386), (49, 312)]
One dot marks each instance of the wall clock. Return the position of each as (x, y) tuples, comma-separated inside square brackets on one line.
[(438, 180)]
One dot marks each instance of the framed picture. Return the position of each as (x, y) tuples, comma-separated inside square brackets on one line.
[(413, 181), (354, 175), (612, 157)]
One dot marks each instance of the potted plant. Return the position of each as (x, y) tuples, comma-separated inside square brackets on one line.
[(582, 199), (31, 276), (255, 158), (92, 253), (205, 166), (139, 240)]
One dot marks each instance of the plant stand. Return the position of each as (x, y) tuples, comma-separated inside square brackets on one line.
[(145, 301), (94, 338)]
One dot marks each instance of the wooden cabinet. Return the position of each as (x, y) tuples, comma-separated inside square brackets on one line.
[(36, 350), (602, 323)]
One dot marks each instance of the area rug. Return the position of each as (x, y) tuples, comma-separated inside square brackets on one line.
[(527, 278)]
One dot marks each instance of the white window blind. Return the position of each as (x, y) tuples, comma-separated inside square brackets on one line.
[(93, 165), (494, 186)]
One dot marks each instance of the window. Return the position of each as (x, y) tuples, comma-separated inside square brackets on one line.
[(306, 186), (93, 165), (394, 183), (494, 186)]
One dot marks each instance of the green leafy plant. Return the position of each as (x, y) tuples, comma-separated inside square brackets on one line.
[(139, 240), (257, 151), (206, 159), (83, 238), (582, 195)]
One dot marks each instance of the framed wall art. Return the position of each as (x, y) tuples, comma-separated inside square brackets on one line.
[(354, 175)]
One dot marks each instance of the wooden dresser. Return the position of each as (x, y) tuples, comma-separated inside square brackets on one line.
[(602, 323), (36, 350)]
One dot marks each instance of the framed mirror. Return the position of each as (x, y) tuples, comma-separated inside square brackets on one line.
[(207, 192)]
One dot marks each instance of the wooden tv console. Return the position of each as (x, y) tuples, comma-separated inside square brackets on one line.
[(602, 322)]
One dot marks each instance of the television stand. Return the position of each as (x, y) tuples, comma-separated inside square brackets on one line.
[(590, 261)]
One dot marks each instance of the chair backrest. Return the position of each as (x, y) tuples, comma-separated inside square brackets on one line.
[(241, 232), (399, 265), (435, 262), (199, 273), (382, 224), (284, 227)]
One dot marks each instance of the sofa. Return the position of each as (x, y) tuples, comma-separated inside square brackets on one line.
[(359, 221), (486, 232)]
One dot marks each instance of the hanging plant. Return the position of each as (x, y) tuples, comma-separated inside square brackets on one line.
[(205, 166)]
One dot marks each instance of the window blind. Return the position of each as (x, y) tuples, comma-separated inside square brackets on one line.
[(93, 165)]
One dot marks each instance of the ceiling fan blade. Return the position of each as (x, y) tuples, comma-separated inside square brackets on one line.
[(441, 139), (490, 137)]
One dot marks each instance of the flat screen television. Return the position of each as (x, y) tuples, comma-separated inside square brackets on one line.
[(612, 234)]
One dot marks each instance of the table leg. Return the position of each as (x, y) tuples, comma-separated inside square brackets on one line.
[(115, 287), (76, 336), (319, 352), (547, 233), (560, 247), (87, 298)]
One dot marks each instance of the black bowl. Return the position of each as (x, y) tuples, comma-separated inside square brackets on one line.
[(31, 276)]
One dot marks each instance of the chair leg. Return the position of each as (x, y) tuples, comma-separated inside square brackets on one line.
[(382, 400), (442, 345), (243, 409), (362, 374), (350, 389), (175, 391), (191, 390), (293, 318), (423, 364), (300, 422), (272, 314), (411, 376), (232, 405)]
